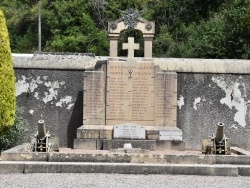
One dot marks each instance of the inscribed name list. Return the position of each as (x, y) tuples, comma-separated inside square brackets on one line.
[(94, 98), (130, 91), (165, 98)]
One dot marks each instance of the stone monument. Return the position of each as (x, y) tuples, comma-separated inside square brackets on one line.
[(130, 100)]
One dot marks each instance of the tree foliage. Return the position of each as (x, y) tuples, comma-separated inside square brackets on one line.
[(7, 80), (195, 29)]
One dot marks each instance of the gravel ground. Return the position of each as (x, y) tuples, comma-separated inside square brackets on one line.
[(120, 181)]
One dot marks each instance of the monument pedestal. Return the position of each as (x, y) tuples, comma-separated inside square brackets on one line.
[(97, 137)]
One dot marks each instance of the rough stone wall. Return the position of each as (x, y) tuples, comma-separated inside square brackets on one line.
[(204, 100), (54, 95)]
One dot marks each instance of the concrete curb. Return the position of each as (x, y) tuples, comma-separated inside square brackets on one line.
[(123, 168), (126, 158)]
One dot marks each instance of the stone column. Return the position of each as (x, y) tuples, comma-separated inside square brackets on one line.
[(113, 50), (148, 43)]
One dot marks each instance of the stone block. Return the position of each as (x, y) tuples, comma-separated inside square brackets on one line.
[(170, 145), (239, 151), (10, 167), (22, 153), (115, 144), (170, 135), (87, 134), (94, 132), (121, 168), (106, 134), (152, 135), (88, 144)]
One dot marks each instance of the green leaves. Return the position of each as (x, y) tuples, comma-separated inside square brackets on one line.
[(73, 30), (195, 29), (16, 134)]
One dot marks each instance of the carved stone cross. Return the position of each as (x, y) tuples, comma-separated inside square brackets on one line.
[(130, 46)]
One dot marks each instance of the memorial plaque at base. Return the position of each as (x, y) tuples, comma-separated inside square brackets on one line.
[(129, 131), (170, 135)]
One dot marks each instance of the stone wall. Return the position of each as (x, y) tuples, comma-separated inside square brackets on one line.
[(209, 91), (51, 87), (204, 100)]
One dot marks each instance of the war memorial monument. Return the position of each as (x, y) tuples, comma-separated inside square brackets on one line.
[(128, 118), (130, 99)]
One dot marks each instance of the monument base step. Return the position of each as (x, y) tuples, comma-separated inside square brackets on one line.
[(106, 132), (95, 132), (115, 144), (88, 144), (109, 144), (170, 145)]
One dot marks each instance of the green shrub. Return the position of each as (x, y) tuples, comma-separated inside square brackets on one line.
[(16, 134), (7, 80)]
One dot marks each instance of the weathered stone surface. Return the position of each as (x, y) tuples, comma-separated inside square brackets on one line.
[(106, 134), (88, 144), (165, 99), (95, 132), (184, 65), (94, 98), (9, 167), (121, 168), (146, 27), (80, 157), (152, 134), (239, 151), (163, 133), (170, 145), (67, 62), (129, 131), (22, 153), (115, 144), (170, 135), (130, 93), (55, 61)]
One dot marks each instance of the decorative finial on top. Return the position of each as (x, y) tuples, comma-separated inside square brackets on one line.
[(131, 18)]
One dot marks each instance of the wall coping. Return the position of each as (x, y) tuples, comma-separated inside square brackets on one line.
[(88, 62), (56, 61)]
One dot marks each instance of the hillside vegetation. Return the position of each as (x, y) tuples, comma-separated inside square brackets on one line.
[(184, 28)]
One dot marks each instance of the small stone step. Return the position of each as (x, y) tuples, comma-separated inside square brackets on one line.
[(88, 144), (115, 144)]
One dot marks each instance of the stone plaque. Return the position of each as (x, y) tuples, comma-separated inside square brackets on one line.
[(130, 93), (94, 98), (129, 131), (170, 135), (165, 99)]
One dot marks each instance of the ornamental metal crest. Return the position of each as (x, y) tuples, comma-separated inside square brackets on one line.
[(131, 18)]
